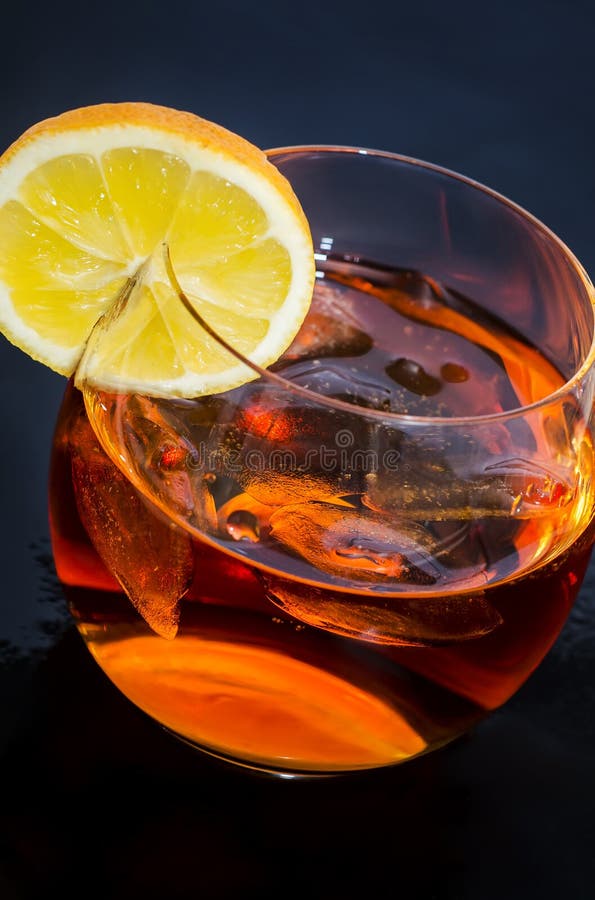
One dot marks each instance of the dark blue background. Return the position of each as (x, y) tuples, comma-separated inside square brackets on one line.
[(503, 93)]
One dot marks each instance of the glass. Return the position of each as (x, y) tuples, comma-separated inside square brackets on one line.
[(357, 555)]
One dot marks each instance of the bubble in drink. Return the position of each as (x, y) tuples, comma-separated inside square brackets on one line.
[(410, 375), (243, 510)]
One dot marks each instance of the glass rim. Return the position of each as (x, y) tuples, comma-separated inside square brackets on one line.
[(407, 419)]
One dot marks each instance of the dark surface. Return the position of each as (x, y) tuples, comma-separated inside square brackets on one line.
[(96, 799)]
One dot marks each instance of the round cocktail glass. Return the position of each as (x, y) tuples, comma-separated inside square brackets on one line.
[(355, 556)]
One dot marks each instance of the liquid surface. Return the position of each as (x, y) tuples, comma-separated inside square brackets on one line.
[(371, 503), (368, 589), (420, 348)]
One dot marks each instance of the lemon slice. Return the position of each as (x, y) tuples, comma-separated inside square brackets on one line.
[(87, 201)]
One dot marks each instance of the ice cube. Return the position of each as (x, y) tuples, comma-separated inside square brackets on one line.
[(169, 465), (430, 488), (399, 620), (268, 414), (357, 546), (149, 556), (360, 388), (276, 488), (281, 449), (371, 553), (331, 328)]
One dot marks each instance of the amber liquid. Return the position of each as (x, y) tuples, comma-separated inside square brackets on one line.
[(267, 671)]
